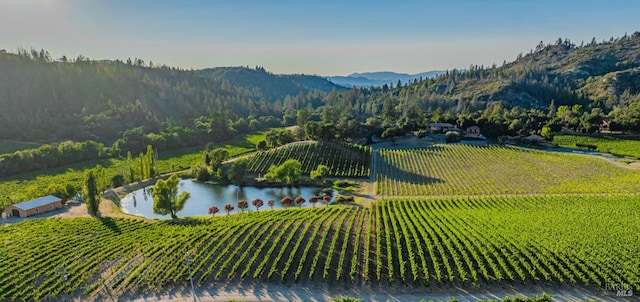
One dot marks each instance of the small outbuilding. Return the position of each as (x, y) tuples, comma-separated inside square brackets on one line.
[(34, 206)]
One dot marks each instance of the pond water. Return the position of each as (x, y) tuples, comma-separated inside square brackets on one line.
[(203, 196)]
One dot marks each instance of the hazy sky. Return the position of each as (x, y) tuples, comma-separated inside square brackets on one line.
[(327, 37)]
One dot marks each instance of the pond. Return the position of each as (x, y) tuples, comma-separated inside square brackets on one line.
[(203, 196)]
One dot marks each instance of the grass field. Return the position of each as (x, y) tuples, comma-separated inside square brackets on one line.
[(617, 146), (486, 170), (30, 185), (582, 239)]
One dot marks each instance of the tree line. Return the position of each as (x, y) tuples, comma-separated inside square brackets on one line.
[(129, 106)]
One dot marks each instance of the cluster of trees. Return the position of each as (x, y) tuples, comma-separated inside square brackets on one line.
[(50, 156), (212, 168), (288, 172), (146, 166), (277, 137)]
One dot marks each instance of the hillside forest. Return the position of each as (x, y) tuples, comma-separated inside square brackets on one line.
[(79, 109)]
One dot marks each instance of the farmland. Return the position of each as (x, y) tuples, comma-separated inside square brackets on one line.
[(343, 160), (581, 239), (494, 215), (617, 146), (488, 170)]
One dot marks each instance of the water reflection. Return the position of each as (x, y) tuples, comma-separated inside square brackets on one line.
[(204, 196)]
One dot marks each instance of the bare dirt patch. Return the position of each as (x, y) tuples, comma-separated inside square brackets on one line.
[(321, 291)]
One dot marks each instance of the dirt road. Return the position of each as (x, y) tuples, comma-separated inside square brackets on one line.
[(320, 292)]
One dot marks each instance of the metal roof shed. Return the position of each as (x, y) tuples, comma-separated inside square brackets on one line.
[(34, 206)]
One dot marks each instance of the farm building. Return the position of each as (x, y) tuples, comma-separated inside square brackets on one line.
[(440, 127), (34, 206), (473, 131)]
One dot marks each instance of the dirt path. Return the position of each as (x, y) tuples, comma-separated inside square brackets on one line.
[(322, 292)]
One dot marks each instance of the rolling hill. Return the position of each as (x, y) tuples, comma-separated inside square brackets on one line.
[(270, 86)]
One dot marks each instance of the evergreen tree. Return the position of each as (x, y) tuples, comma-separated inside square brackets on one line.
[(91, 192)]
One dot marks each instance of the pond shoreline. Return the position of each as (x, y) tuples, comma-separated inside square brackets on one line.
[(138, 201)]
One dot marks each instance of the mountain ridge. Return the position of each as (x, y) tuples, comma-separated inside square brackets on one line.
[(269, 85), (380, 78)]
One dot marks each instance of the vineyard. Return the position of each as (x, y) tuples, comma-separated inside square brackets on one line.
[(585, 239), (343, 160), (624, 147), (488, 170)]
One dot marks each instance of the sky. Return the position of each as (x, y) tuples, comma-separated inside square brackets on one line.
[(326, 37)]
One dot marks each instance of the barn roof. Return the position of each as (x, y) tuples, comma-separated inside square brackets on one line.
[(38, 202)]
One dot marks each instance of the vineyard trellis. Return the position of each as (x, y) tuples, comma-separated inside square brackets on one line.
[(343, 160), (492, 169), (584, 239)]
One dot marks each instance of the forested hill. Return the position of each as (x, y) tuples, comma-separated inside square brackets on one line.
[(270, 86), (99, 100), (558, 85), (605, 73), (583, 87)]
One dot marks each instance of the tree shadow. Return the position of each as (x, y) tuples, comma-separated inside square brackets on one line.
[(393, 172), (110, 223)]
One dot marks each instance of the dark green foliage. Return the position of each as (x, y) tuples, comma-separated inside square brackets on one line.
[(452, 136), (288, 172), (273, 87), (320, 172), (238, 169), (165, 197), (216, 157), (201, 172), (278, 137), (91, 192), (320, 131), (65, 192), (117, 180), (392, 132), (50, 156)]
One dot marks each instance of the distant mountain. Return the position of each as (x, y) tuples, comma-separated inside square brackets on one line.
[(380, 78), (270, 86)]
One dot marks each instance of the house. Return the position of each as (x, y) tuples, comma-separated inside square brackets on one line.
[(440, 127), (473, 131), (34, 206)]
